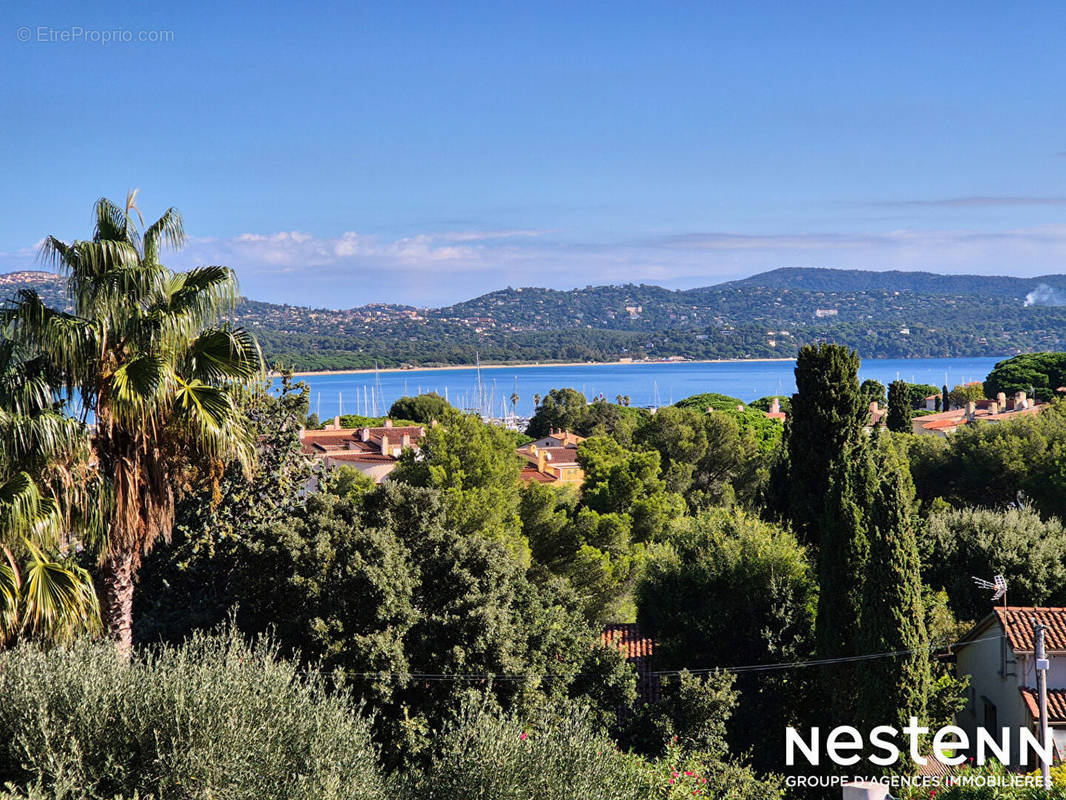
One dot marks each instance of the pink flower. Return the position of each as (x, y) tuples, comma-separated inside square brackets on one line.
[(523, 736), (688, 773)]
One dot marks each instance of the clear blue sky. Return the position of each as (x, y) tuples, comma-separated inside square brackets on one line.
[(342, 153)]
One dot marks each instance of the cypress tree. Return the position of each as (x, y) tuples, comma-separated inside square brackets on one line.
[(944, 401), (825, 419), (842, 560), (893, 612), (899, 407)]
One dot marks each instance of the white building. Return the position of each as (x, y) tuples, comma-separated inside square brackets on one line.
[(997, 654)]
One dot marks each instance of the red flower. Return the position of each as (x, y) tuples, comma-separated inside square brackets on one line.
[(523, 736)]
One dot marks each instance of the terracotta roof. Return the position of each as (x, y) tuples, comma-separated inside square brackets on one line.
[(1056, 703), (943, 424), (1017, 622), (533, 474), (362, 457), (626, 638), (559, 455), (775, 415)]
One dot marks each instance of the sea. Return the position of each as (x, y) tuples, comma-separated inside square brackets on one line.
[(646, 384)]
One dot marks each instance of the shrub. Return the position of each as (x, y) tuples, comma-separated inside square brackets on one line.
[(485, 756), (215, 717)]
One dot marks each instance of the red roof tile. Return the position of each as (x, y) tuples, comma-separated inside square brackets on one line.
[(1056, 703), (626, 638), (533, 474), (1017, 622)]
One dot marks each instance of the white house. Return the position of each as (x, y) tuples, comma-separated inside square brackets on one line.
[(998, 656)]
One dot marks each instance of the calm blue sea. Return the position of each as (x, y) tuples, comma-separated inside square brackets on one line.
[(646, 384)]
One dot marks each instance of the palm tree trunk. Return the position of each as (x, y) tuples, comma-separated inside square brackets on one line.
[(116, 603)]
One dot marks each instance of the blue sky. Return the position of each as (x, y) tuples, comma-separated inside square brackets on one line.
[(343, 153)]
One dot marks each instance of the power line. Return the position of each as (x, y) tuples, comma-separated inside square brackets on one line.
[(747, 669)]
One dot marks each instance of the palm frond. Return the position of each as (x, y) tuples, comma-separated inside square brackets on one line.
[(24, 510), (58, 599), (223, 354), (167, 231)]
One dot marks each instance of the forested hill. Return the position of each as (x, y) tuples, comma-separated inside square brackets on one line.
[(880, 314), (857, 280)]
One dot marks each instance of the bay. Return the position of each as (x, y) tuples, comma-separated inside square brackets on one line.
[(646, 384)]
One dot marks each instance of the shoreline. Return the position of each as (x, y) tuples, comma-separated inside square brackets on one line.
[(527, 364)]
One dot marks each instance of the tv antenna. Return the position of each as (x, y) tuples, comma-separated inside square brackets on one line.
[(998, 583)]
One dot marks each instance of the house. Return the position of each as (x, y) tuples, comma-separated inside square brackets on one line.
[(775, 411), (876, 415), (373, 451), (997, 410), (638, 650), (552, 459), (998, 655)]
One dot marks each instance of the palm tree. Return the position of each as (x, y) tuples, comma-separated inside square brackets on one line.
[(43, 594), (536, 401), (514, 403), (151, 369)]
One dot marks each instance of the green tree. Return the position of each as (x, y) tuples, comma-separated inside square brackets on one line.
[(893, 609), (140, 353), (872, 392), (425, 408), (734, 591), (702, 403), (562, 409), (1028, 551), (1038, 374), (899, 407), (917, 392), (826, 417), (474, 467), (966, 393), (44, 480), (627, 482)]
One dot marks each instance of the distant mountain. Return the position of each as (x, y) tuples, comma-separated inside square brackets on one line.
[(880, 314), (855, 280)]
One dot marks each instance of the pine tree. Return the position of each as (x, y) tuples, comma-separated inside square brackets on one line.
[(825, 420), (892, 620), (899, 407)]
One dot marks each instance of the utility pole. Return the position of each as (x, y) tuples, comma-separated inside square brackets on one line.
[(1041, 688)]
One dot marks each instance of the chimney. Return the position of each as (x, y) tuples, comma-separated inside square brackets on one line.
[(405, 441), (385, 445), (542, 460), (971, 410), (1019, 401), (993, 408), (873, 407), (775, 406), (364, 434), (388, 423), (336, 426), (1001, 399)]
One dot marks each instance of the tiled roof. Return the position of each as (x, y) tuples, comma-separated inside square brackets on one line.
[(1017, 622), (560, 455), (533, 474), (360, 457), (1056, 703), (626, 638)]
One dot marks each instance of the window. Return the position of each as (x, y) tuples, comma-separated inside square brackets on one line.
[(990, 723)]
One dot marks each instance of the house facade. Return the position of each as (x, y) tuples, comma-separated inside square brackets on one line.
[(998, 656), (552, 459), (374, 451)]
